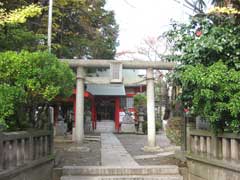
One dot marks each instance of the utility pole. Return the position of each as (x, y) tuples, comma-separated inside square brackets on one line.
[(50, 25), (49, 42)]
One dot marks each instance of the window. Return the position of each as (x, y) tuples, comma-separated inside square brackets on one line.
[(130, 91), (126, 102), (123, 102), (116, 72), (130, 102)]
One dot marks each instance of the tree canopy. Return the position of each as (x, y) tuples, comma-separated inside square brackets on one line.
[(208, 48), (199, 6), (80, 29), (19, 15), (30, 81), (31, 78)]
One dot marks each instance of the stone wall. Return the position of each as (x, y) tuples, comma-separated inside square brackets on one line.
[(38, 170), (26, 155), (211, 157), (207, 170)]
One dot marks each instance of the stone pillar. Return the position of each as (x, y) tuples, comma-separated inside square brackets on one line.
[(196, 144), (151, 109), (19, 154), (234, 149), (190, 146), (164, 121), (79, 129), (202, 144), (208, 146), (140, 120), (22, 151), (214, 147), (51, 112), (7, 158), (55, 114), (1, 152), (220, 148), (225, 148)]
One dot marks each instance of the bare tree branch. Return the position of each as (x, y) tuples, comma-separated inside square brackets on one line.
[(129, 4)]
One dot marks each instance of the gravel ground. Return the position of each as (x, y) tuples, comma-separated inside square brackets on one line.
[(134, 143), (87, 153)]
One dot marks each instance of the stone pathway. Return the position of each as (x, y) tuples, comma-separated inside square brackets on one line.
[(113, 153), (134, 143), (116, 163)]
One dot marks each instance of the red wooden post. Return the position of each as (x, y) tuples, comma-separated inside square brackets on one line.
[(94, 118), (56, 112), (92, 113), (74, 110), (117, 109)]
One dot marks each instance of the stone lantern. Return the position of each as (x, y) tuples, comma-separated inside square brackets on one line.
[(141, 120)]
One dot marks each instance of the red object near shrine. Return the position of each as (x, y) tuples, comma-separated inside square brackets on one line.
[(119, 103), (198, 33)]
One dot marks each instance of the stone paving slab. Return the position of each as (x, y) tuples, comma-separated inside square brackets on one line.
[(154, 156), (119, 170), (113, 153), (165, 177)]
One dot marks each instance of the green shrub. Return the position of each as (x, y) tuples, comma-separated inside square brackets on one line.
[(174, 130), (144, 126), (210, 69), (140, 100), (29, 81)]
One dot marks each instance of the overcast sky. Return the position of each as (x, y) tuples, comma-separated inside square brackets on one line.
[(139, 19)]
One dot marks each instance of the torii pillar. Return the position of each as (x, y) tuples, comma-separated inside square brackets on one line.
[(79, 129), (151, 109), (151, 122)]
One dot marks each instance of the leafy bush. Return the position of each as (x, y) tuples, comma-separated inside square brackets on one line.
[(140, 100), (216, 96), (29, 80), (144, 126), (174, 130), (9, 96), (208, 49)]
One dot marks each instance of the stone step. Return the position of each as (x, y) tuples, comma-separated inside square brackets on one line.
[(159, 177), (122, 171), (105, 126)]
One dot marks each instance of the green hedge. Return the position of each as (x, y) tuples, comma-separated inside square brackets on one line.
[(174, 130), (144, 127)]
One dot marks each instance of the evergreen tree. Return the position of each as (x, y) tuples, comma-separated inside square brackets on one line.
[(80, 29)]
